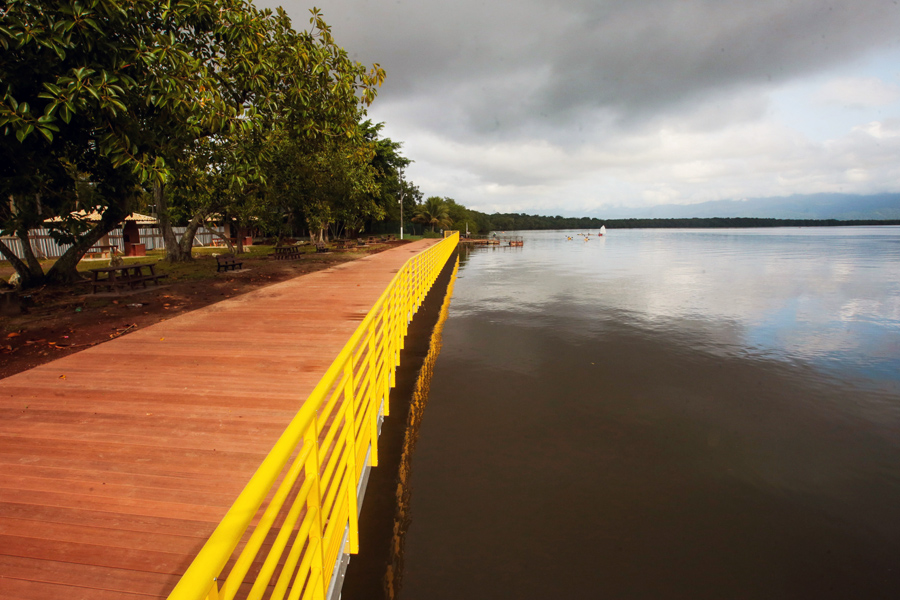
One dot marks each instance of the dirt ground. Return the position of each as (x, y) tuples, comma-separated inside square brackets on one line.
[(57, 321)]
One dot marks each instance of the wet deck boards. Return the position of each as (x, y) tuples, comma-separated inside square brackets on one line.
[(117, 462)]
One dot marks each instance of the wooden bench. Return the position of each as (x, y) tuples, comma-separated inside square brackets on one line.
[(227, 261), (321, 247), (285, 252)]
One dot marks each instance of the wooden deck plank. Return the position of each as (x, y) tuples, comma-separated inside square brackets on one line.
[(82, 534), (94, 518), (17, 589), (96, 489), (70, 580), (94, 554), (192, 459), (117, 462), (64, 476), (116, 505)]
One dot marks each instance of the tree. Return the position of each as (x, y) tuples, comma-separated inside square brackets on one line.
[(82, 86), (289, 85), (121, 95), (460, 216), (433, 212), (411, 197), (388, 165)]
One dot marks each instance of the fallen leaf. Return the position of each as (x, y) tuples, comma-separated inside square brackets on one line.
[(162, 339), (13, 334), (61, 377)]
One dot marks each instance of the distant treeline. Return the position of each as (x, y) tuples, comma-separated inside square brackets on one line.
[(513, 221), (714, 222)]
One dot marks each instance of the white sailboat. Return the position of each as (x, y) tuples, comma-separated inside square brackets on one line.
[(602, 230)]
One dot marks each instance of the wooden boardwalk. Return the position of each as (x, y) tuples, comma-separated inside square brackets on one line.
[(117, 463)]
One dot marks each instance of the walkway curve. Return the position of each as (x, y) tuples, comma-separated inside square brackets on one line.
[(118, 462)]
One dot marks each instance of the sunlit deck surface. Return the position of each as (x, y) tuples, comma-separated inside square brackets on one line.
[(117, 462)]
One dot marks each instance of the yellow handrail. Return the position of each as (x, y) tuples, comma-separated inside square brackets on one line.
[(316, 464)]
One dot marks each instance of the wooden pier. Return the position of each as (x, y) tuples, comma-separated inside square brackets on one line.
[(118, 462), (493, 241)]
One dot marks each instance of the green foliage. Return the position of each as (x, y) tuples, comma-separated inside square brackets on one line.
[(181, 92), (434, 213), (725, 222), (513, 221), (518, 222)]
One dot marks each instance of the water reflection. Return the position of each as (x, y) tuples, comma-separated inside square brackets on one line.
[(393, 578), (826, 295), (665, 414)]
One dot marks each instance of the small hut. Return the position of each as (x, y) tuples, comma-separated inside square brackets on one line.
[(131, 234)]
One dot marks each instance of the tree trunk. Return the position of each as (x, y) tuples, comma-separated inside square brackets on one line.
[(174, 248), (29, 269), (226, 240), (186, 243), (240, 238), (64, 270), (27, 279), (34, 265)]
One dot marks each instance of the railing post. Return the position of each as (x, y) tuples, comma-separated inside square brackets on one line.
[(214, 590), (351, 471), (387, 363), (314, 503), (373, 390)]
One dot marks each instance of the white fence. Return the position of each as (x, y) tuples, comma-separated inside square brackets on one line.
[(44, 245)]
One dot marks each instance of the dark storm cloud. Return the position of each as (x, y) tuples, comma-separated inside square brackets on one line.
[(505, 63), (526, 105)]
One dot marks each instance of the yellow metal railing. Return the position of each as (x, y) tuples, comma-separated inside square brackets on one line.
[(282, 537)]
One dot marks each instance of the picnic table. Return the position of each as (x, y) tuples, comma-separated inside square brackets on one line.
[(283, 252), (343, 244), (122, 275), (101, 250)]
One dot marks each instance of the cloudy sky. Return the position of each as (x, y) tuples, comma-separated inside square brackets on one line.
[(570, 106)]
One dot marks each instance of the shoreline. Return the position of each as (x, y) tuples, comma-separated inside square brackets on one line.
[(378, 526)]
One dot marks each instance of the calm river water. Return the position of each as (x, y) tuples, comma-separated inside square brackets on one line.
[(664, 414)]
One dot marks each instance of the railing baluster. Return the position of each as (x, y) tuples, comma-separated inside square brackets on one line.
[(313, 504), (353, 473)]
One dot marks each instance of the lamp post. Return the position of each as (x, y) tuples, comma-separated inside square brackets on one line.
[(402, 191)]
